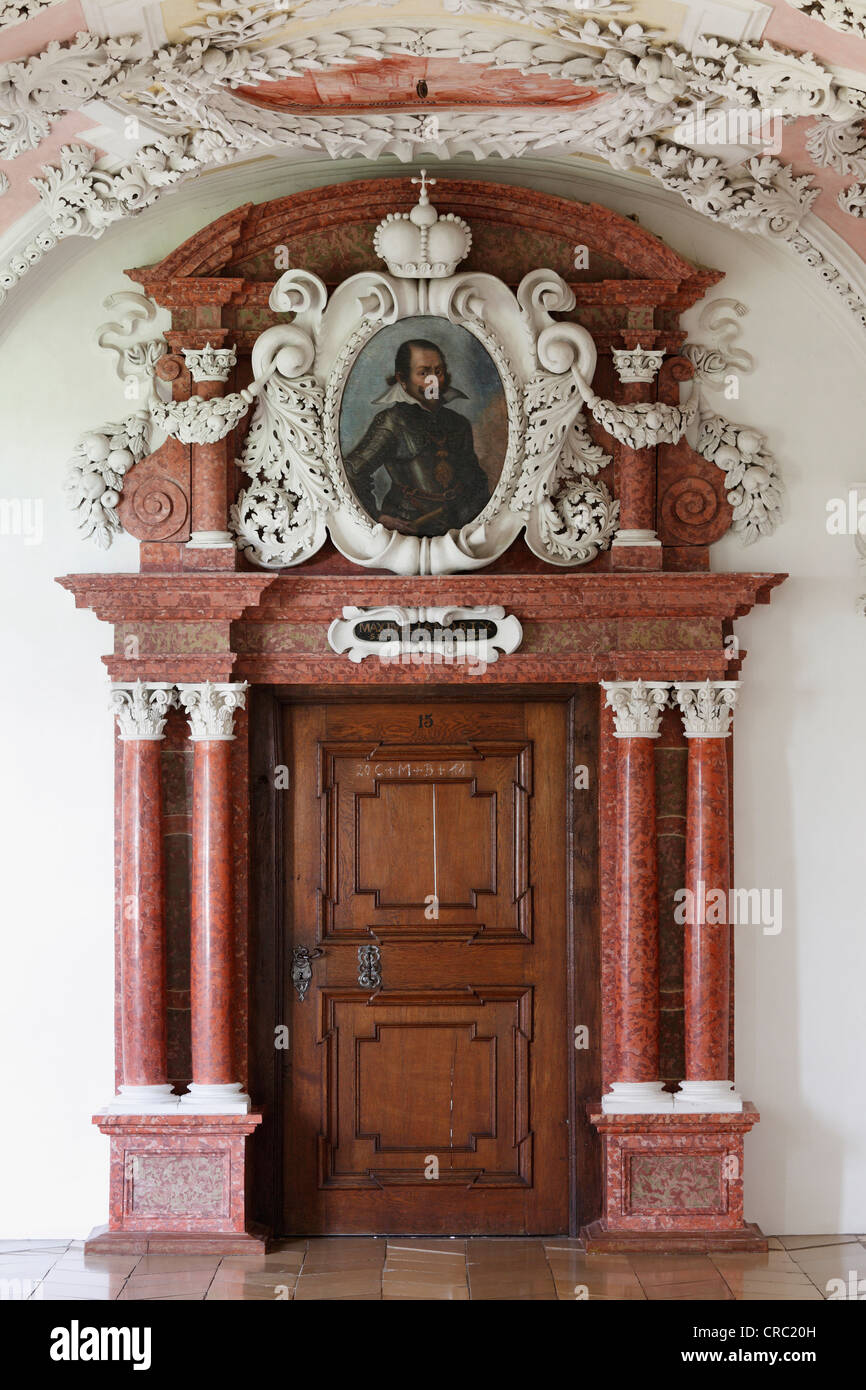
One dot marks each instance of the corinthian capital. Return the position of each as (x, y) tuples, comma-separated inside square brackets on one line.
[(707, 706), (210, 708), (142, 707), (208, 363), (637, 364), (637, 706)]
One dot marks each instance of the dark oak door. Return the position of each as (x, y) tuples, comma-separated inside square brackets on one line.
[(426, 861)]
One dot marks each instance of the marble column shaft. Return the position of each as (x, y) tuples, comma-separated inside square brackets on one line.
[(212, 939), (141, 709), (637, 1087), (211, 710), (707, 948), (143, 1016), (636, 471), (637, 1029), (707, 708)]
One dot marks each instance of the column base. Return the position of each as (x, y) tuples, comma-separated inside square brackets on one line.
[(636, 550), (210, 540), (637, 1098), (599, 1240), (712, 1097), (143, 1100), (672, 1176), (177, 1184), (228, 1099)]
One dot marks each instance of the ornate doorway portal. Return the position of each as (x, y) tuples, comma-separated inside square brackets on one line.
[(425, 670)]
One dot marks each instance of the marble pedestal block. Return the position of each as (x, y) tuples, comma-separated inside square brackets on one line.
[(673, 1182), (177, 1185)]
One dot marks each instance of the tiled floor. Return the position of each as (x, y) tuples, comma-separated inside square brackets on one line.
[(357, 1268)]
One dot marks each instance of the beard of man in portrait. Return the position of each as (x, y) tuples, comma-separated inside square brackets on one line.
[(436, 483)]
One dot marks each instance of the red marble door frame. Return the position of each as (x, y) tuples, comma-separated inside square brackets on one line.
[(271, 630)]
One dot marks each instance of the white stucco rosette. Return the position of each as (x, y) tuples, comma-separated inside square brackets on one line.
[(300, 489)]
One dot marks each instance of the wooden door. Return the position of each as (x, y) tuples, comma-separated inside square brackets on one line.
[(426, 861)]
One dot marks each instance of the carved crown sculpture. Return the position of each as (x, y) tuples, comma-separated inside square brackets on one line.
[(421, 245)]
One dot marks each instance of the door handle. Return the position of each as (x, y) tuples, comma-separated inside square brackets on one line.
[(302, 969), (369, 967)]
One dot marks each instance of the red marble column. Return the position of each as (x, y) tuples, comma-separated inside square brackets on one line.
[(636, 544), (210, 369), (211, 710), (707, 710), (211, 946), (637, 710), (141, 710)]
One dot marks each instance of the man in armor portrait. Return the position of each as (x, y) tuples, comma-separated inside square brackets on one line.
[(435, 481)]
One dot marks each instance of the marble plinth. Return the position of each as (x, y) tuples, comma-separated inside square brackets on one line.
[(177, 1183), (673, 1182)]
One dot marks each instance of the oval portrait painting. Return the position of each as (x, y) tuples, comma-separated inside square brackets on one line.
[(423, 426)]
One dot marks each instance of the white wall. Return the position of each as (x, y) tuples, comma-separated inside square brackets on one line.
[(801, 741)]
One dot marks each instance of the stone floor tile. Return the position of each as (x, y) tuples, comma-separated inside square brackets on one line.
[(177, 1264), (805, 1242)]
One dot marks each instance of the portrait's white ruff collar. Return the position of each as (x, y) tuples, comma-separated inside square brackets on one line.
[(398, 392)]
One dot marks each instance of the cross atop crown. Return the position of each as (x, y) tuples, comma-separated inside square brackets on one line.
[(424, 181), (421, 245)]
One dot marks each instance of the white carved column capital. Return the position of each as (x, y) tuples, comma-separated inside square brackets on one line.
[(637, 706), (209, 363), (210, 708), (142, 707), (707, 706), (637, 364)]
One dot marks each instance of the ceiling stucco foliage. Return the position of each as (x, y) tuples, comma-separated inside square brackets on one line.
[(16, 11), (847, 18), (186, 89)]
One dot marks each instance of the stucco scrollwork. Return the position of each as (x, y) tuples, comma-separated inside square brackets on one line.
[(300, 489), (752, 478)]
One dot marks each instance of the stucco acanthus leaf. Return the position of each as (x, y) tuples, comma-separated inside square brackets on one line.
[(16, 11), (37, 91), (134, 360), (848, 19), (571, 518), (280, 518), (839, 145), (752, 480), (853, 199), (95, 473)]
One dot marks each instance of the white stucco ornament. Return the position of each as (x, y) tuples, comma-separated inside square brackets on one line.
[(300, 490), (459, 636), (187, 91)]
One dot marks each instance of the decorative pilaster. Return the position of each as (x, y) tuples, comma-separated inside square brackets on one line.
[(210, 368), (707, 708), (636, 368), (637, 708), (211, 709), (141, 709)]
